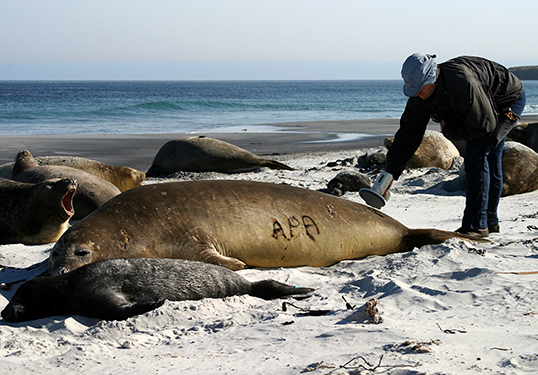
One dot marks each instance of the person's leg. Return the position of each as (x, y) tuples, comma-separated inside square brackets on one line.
[(495, 166), (478, 183), (496, 184)]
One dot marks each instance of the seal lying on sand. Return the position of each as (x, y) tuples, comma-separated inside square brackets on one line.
[(91, 193), (123, 178), (520, 169), (434, 151), (348, 181), (117, 289), (202, 154), (235, 224), (35, 214), (526, 133)]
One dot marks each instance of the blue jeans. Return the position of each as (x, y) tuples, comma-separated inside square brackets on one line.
[(483, 168)]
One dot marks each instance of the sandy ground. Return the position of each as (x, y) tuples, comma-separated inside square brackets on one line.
[(453, 308)]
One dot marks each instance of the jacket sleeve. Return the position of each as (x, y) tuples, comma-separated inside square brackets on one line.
[(413, 124), (474, 112)]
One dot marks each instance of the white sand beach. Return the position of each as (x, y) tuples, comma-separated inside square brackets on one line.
[(453, 308)]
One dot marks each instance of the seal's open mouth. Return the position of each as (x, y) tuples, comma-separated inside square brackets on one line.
[(67, 201)]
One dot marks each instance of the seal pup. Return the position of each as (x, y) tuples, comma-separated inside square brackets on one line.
[(92, 191), (526, 133), (235, 223), (116, 289), (35, 214), (435, 150), (124, 178), (202, 154), (520, 169)]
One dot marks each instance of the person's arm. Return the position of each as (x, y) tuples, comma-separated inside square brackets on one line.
[(413, 124)]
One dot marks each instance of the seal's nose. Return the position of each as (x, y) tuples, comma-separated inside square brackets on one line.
[(9, 314)]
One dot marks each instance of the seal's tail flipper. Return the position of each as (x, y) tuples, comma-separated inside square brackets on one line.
[(269, 289), (421, 237), (273, 164)]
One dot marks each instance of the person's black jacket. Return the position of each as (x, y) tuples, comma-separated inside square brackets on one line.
[(470, 94)]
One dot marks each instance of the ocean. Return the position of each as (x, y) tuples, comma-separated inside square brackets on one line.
[(140, 107)]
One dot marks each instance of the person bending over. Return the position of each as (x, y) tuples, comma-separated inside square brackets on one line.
[(475, 100)]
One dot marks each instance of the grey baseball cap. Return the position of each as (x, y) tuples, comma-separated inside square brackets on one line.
[(418, 70)]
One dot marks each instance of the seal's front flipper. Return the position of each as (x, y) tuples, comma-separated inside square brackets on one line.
[(209, 253), (126, 311)]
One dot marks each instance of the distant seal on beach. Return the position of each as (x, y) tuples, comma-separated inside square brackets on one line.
[(116, 289), (123, 178), (235, 223), (520, 169), (203, 154), (35, 214), (92, 191), (348, 181), (434, 151), (526, 133)]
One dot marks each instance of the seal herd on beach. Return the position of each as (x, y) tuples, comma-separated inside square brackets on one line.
[(122, 245)]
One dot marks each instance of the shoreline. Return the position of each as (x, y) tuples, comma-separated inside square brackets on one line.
[(138, 150)]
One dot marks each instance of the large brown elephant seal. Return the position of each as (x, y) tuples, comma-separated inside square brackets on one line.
[(35, 213), (434, 151), (92, 191), (116, 289), (123, 178), (235, 224), (202, 154), (520, 169), (526, 133)]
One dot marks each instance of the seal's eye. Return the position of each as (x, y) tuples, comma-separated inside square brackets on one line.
[(54, 254), (82, 253)]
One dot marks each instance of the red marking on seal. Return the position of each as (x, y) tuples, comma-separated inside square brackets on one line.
[(330, 210)]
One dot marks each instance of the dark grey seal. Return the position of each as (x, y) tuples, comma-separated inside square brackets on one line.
[(117, 289), (348, 181)]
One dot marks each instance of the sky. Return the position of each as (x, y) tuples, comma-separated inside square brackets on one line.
[(253, 39)]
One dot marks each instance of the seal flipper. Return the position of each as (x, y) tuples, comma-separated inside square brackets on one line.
[(420, 237), (269, 289), (128, 310), (273, 164), (210, 254)]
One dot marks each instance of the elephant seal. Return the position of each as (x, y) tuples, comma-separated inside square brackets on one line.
[(520, 169), (526, 133), (123, 178), (235, 223), (348, 181), (434, 151), (92, 191), (202, 154), (35, 214), (116, 289)]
